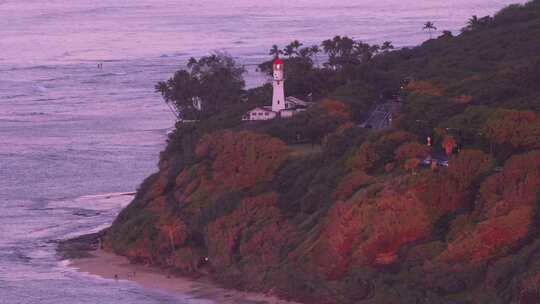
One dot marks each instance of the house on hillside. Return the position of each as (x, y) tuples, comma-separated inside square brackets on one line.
[(437, 158), (281, 107), (260, 113), (293, 106)]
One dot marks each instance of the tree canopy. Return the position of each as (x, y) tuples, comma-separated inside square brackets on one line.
[(205, 87)]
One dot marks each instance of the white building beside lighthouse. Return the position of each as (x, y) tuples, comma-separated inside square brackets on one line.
[(282, 107)]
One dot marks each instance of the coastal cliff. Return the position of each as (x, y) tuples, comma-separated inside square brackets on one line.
[(352, 215)]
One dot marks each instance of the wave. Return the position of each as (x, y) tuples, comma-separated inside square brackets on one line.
[(39, 88), (88, 206), (30, 114), (112, 74), (108, 195), (34, 67), (13, 96), (56, 79)]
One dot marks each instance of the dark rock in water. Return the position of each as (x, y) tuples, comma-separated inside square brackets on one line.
[(80, 246)]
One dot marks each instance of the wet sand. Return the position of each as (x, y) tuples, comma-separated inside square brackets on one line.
[(111, 266)]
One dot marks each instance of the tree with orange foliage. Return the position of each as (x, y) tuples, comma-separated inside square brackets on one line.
[(335, 109), (240, 160), (324, 118), (364, 158), (351, 183), (519, 129), (468, 166), (421, 87), (370, 154), (251, 232), (449, 144), (463, 99), (411, 164), (505, 211), (337, 134), (411, 150), (175, 230)]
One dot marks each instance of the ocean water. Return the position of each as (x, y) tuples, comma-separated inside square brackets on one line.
[(74, 138)]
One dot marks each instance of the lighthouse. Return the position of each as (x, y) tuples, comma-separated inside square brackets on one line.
[(281, 107), (278, 100)]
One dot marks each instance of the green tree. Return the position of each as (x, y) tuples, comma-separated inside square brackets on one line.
[(341, 51), (288, 51), (296, 44), (447, 34), (344, 52), (474, 23), (205, 87), (387, 46), (330, 49), (364, 52), (305, 53), (322, 119)]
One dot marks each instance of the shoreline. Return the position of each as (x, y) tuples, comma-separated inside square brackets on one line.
[(83, 256)]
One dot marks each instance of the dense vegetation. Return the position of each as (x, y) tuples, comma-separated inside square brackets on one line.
[(316, 209)]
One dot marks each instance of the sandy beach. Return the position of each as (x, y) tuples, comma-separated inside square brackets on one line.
[(114, 267)]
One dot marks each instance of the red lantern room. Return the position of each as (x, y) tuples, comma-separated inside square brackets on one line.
[(278, 65)]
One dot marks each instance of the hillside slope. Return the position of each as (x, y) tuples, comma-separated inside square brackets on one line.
[(361, 220)]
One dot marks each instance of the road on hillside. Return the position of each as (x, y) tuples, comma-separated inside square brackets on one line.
[(381, 117)]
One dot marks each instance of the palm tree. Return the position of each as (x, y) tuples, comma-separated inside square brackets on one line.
[(473, 22), (289, 51), (345, 50), (305, 52), (429, 26), (387, 46), (293, 48), (296, 44), (375, 48), (315, 50), (330, 48), (345, 46), (275, 51), (363, 51)]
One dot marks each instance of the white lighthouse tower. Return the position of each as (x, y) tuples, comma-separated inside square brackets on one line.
[(278, 100), (281, 107)]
